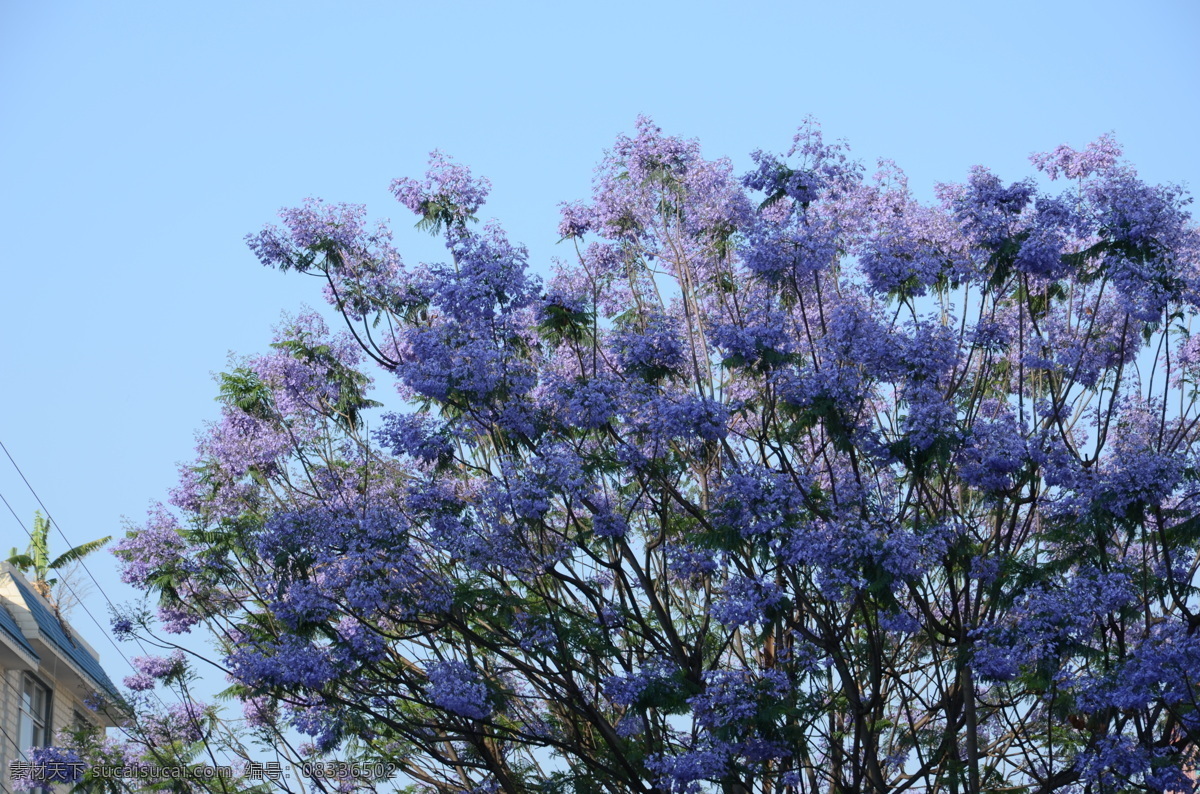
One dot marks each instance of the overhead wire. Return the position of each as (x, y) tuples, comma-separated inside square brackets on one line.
[(16, 746), (53, 523), (80, 601), (75, 593)]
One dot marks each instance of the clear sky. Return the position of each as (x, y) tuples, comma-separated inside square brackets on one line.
[(140, 141)]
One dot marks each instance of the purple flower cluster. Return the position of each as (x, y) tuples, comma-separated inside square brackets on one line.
[(653, 352), (456, 688), (154, 546), (160, 667), (1099, 156), (288, 662), (1049, 623), (55, 765), (448, 187), (989, 211), (653, 676), (746, 600), (737, 697), (994, 454)]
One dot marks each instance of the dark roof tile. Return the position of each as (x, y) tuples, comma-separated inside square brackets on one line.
[(52, 631)]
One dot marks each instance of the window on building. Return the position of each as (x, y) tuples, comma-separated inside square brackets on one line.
[(33, 729)]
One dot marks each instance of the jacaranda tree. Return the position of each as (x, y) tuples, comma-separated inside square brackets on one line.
[(786, 482)]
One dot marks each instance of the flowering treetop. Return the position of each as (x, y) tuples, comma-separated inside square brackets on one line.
[(783, 482)]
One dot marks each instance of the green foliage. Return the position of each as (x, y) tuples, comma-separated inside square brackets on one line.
[(244, 390), (36, 560), (565, 324), (349, 384)]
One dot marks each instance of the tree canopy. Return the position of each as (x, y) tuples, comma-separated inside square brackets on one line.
[(781, 482)]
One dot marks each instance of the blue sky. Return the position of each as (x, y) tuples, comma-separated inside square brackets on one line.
[(140, 141)]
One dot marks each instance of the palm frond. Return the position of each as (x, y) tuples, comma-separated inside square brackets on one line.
[(79, 552)]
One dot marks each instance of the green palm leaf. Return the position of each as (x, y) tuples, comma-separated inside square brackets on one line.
[(36, 559), (79, 552), (23, 562)]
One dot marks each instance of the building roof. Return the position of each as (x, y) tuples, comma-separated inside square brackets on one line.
[(10, 628), (51, 629)]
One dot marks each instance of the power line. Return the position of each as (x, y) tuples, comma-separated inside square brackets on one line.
[(79, 600), (73, 592), (83, 564), (191, 716), (152, 750), (61, 534), (50, 518)]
